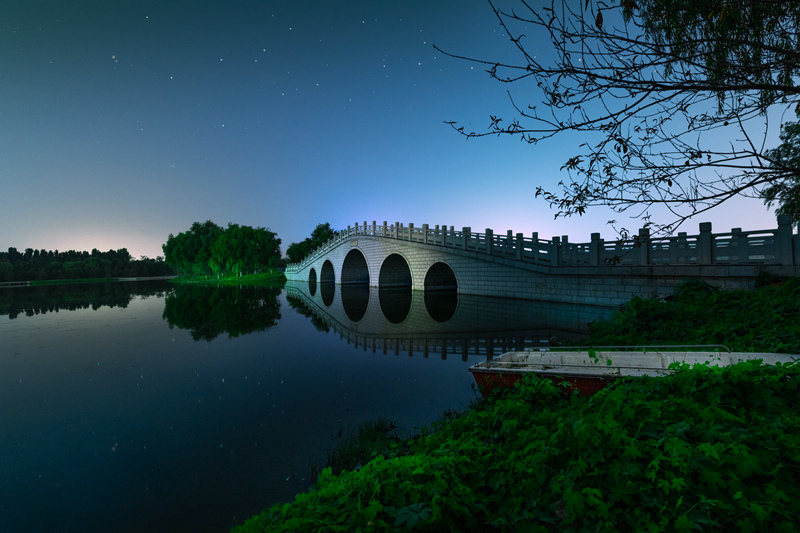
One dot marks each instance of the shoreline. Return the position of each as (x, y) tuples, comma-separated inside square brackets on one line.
[(78, 281)]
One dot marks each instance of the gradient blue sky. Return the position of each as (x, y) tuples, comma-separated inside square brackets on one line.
[(124, 121)]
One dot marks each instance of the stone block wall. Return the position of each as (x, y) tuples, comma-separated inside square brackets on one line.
[(482, 274)]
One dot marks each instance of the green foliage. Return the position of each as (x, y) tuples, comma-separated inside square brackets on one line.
[(207, 249), (208, 312), (298, 251), (48, 265), (737, 45), (762, 320), (708, 448), (786, 158)]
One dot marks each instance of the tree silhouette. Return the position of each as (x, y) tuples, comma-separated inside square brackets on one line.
[(671, 98)]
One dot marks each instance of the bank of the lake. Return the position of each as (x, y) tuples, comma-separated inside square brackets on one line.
[(273, 277), (706, 448)]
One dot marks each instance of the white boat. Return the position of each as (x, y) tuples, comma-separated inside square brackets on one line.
[(590, 369)]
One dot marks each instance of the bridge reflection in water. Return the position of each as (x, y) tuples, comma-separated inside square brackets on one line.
[(399, 320)]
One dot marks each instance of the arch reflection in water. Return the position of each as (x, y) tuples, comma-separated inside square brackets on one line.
[(327, 291), (479, 325), (395, 303), (441, 305), (312, 286), (355, 300)]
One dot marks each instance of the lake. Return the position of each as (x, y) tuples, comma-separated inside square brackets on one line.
[(147, 406)]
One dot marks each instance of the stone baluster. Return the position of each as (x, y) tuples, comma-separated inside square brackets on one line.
[(596, 250), (410, 231), (520, 246), (739, 246), (509, 243), (425, 233), (535, 245), (466, 232), (784, 253), (705, 244), (682, 245), (555, 250), (489, 239), (644, 246)]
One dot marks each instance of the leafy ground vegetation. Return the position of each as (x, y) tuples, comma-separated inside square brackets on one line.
[(269, 278), (712, 449), (707, 448), (763, 320)]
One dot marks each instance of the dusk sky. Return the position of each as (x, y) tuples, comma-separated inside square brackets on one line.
[(124, 121)]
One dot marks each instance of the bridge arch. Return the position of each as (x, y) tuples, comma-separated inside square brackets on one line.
[(440, 277), (327, 274), (312, 275), (354, 269), (395, 272)]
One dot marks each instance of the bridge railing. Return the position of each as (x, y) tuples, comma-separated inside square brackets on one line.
[(769, 247)]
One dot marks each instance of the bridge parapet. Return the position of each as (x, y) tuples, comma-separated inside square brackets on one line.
[(760, 247)]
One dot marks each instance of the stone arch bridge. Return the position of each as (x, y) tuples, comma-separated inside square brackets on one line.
[(513, 265)]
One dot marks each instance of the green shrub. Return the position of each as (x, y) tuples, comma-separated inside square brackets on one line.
[(762, 320), (708, 448)]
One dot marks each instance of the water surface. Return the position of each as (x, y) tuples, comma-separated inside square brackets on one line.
[(149, 407)]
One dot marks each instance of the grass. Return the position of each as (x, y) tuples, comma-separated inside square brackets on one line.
[(264, 278), (71, 281)]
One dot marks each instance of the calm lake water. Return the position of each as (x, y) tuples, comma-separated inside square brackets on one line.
[(152, 407)]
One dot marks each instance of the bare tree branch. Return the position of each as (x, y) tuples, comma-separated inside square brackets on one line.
[(656, 86)]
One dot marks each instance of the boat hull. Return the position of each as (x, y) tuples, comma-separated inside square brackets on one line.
[(589, 371), (488, 382)]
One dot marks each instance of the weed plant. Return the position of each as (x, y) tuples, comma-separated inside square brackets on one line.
[(766, 319), (270, 278), (707, 448), (364, 444)]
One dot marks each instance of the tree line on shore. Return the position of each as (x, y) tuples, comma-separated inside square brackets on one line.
[(298, 251), (210, 250), (34, 265)]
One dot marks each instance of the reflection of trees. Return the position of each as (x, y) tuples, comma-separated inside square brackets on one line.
[(298, 305), (207, 312), (53, 298)]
